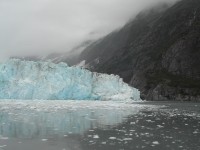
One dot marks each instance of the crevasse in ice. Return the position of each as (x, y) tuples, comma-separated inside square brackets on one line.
[(45, 80)]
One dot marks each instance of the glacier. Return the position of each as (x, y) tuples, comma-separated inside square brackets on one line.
[(29, 80)]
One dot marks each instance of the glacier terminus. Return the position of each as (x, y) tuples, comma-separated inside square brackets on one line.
[(29, 80)]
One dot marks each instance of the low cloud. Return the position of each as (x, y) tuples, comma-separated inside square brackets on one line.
[(38, 27)]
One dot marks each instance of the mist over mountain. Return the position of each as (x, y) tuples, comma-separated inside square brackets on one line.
[(157, 52), (71, 57), (42, 27)]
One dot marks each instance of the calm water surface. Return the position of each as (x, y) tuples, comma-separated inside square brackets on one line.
[(94, 125)]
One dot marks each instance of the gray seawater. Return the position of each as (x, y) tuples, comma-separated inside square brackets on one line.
[(95, 125)]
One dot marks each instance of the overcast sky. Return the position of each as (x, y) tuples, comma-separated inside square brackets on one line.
[(30, 27)]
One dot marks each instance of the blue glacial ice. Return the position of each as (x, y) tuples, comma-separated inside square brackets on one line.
[(28, 80)]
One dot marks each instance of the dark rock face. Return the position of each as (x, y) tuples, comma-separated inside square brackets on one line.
[(158, 52)]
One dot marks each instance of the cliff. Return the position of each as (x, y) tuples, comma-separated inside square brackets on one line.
[(28, 80)]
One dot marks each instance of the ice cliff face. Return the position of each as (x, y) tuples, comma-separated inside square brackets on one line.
[(46, 80)]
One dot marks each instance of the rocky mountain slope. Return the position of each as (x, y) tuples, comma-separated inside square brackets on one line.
[(158, 52)]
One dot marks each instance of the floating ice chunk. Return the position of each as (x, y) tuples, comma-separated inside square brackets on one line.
[(156, 143), (132, 123), (45, 80), (3, 138), (127, 139), (150, 121), (112, 138), (195, 132), (95, 136), (159, 126), (2, 146)]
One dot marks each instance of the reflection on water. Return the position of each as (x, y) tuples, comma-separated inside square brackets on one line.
[(48, 118), (85, 125)]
